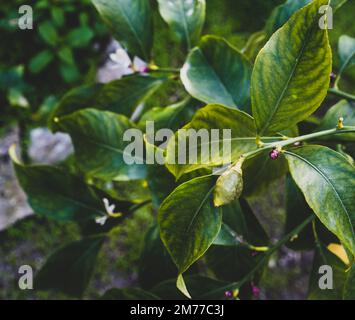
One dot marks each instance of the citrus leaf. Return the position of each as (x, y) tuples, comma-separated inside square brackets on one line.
[(327, 181), (342, 109), (121, 96), (346, 50), (291, 78), (99, 146), (131, 24), (215, 72), (242, 139), (188, 221), (282, 13), (171, 117), (185, 18), (324, 257), (69, 269), (57, 194)]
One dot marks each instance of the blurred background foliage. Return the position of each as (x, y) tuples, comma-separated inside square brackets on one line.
[(65, 49)]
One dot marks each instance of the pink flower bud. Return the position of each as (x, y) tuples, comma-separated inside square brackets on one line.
[(274, 154)]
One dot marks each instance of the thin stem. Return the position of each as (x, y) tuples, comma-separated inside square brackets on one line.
[(167, 70), (306, 137), (341, 94), (267, 255)]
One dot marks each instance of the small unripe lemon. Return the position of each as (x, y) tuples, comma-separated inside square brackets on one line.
[(229, 185)]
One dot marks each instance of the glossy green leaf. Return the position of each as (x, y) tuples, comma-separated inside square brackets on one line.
[(342, 109), (324, 257), (128, 294), (69, 269), (57, 194), (188, 221), (40, 61), (327, 181), (131, 24), (121, 96), (185, 18), (216, 72), (349, 287), (291, 78), (346, 50), (282, 13), (242, 139), (99, 145), (172, 117)]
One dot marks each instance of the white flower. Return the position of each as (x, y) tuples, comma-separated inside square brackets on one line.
[(124, 65), (101, 220), (109, 212)]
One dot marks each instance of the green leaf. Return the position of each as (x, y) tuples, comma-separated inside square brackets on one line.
[(242, 139), (120, 96), (131, 24), (188, 221), (344, 109), (324, 257), (69, 269), (226, 237), (171, 117), (69, 72), (185, 18), (155, 263), (48, 33), (57, 194), (291, 78), (128, 294), (260, 171), (346, 50), (216, 72), (57, 15), (66, 55), (336, 4), (349, 287), (327, 181), (232, 261), (79, 37), (99, 145), (40, 61), (282, 13), (297, 210)]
